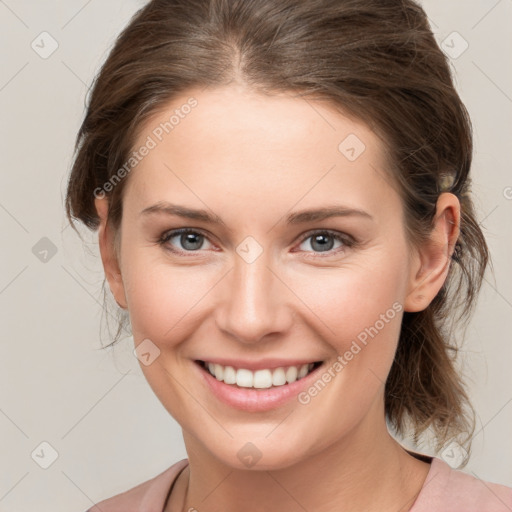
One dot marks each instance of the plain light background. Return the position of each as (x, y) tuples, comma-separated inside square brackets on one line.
[(103, 430)]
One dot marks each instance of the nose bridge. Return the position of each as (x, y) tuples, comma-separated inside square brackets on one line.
[(254, 302)]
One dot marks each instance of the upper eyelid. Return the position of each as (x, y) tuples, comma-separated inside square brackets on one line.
[(177, 231)]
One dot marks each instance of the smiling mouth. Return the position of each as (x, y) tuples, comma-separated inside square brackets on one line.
[(258, 379)]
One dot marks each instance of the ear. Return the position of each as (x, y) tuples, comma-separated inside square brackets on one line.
[(431, 263), (108, 255)]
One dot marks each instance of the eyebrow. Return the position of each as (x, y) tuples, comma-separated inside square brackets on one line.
[(300, 217)]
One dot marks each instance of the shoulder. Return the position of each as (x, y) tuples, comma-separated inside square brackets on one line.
[(450, 490), (149, 496)]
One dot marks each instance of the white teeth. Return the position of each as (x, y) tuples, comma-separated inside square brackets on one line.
[(244, 378), (278, 377), (262, 379), (259, 379), (291, 374), (219, 372), (229, 375), (303, 371)]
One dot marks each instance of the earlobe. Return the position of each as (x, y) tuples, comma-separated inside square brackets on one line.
[(108, 256), (431, 264)]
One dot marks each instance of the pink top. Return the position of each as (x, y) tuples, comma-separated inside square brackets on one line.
[(444, 490)]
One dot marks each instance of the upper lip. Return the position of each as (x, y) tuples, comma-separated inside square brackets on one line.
[(261, 364)]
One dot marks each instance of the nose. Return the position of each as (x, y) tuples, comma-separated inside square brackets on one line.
[(255, 302)]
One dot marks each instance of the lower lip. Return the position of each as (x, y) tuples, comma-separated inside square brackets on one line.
[(256, 400)]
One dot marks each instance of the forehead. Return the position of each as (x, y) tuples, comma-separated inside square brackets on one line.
[(284, 148)]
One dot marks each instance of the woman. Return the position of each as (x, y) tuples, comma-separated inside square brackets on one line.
[(281, 192)]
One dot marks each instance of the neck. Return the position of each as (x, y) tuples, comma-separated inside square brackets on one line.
[(366, 470)]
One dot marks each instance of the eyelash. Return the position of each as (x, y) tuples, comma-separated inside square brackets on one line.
[(345, 239)]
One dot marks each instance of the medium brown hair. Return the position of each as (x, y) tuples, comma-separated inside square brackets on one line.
[(376, 60)]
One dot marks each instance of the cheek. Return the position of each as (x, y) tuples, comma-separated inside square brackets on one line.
[(359, 316), (163, 300), (357, 310), (349, 299)]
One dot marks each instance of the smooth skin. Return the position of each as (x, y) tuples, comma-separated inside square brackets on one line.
[(252, 160)]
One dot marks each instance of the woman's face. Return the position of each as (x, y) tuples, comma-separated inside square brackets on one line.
[(264, 285)]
